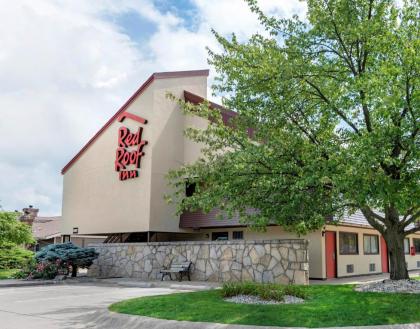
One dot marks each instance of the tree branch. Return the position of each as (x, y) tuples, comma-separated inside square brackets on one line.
[(373, 219), (337, 111)]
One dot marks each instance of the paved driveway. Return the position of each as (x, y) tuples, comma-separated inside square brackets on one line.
[(61, 306)]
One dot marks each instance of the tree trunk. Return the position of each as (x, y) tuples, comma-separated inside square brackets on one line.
[(395, 244), (73, 271)]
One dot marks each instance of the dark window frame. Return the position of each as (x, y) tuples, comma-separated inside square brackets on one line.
[(340, 236), (221, 233), (241, 233), (407, 252), (416, 247), (190, 189), (377, 244)]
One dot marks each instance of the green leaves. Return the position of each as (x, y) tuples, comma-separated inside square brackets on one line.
[(333, 110), (13, 231)]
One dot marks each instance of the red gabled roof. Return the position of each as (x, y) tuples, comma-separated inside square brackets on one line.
[(154, 76)]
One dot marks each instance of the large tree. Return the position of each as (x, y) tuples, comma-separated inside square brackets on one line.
[(328, 122), (14, 231), (14, 235)]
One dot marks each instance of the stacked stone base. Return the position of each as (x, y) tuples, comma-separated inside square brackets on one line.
[(274, 261)]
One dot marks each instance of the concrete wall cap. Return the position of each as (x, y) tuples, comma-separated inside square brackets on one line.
[(303, 242)]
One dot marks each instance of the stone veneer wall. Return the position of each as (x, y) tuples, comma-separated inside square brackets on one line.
[(281, 261)]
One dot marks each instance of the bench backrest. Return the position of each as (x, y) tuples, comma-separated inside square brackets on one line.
[(184, 266)]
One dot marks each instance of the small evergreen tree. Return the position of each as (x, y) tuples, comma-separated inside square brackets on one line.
[(68, 254)]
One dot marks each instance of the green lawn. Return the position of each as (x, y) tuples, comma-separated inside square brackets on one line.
[(327, 305), (7, 273)]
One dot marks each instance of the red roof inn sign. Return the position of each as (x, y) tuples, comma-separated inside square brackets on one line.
[(130, 148)]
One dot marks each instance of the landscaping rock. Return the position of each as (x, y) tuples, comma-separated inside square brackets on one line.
[(401, 286)]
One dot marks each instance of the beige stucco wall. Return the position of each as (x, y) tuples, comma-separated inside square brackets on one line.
[(410, 259), (361, 261), (168, 146), (85, 241), (96, 201)]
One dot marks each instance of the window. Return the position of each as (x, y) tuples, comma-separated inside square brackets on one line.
[(406, 246), (348, 244), (372, 267), (370, 244), (66, 238), (189, 189), (237, 235), (416, 243), (350, 268), (219, 236)]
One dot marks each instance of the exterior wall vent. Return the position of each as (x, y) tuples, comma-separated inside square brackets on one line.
[(418, 263), (372, 267), (350, 268)]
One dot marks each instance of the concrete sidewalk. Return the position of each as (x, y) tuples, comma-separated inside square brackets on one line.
[(109, 320), (359, 279), (118, 282)]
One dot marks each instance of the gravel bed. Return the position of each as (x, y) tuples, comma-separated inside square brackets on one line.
[(249, 299), (403, 286)]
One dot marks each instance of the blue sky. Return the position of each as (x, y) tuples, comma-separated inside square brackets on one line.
[(67, 66)]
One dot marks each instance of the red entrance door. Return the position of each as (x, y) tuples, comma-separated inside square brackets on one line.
[(384, 256), (330, 254)]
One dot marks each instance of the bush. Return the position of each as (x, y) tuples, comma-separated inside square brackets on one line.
[(68, 255), (265, 291), (57, 259), (41, 270), (13, 256)]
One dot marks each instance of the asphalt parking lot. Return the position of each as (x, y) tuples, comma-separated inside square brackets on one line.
[(62, 306)]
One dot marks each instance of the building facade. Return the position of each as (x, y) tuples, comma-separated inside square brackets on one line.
[(115, 186), (47, 230)]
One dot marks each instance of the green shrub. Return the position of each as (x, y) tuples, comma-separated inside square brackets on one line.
[(57, 259), (67, 255), (42, 270), (13, 256), (266, 291)]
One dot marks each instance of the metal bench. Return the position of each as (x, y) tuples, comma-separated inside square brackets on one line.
[(181, 269)]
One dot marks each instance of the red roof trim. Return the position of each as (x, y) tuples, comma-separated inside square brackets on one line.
[(154, 76)]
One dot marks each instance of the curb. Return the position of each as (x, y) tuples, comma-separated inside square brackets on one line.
[(32, 283), (28, 284), (142, 284), (105, 319)]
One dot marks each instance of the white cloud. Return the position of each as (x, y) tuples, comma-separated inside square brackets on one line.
[(65, 68)]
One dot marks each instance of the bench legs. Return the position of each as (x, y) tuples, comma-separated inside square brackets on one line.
[(166, 274), (180, 275)]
